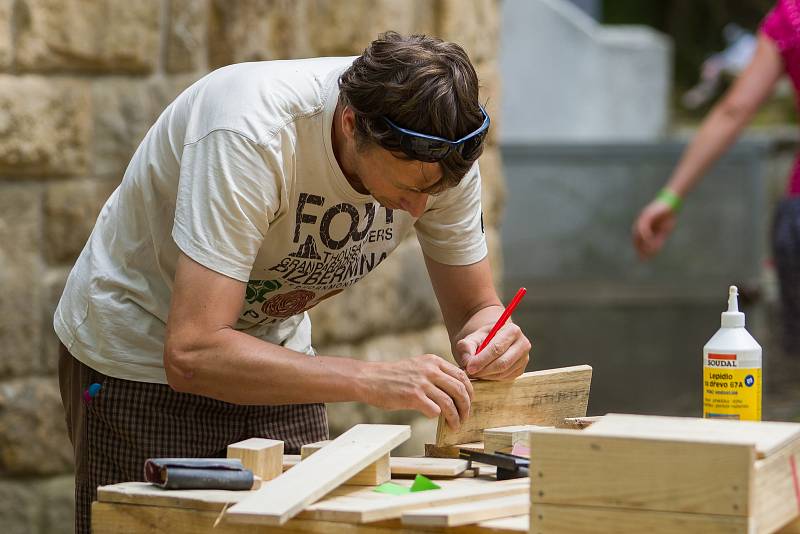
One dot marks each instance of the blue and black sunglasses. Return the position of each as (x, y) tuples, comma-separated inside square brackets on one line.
[(430, 148)]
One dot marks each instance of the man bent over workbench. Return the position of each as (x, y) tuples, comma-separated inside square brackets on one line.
[(263, 189)]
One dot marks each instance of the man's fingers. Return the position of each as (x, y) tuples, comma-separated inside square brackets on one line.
[(447, 407), (459, 375), (510, 364), (497, 347), (515, 369), (457, 391)]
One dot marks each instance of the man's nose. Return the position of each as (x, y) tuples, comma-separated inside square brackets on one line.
[(415, 204)]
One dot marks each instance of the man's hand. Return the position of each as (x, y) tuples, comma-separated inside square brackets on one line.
[(652, 228), (504, 358), (424, 383)]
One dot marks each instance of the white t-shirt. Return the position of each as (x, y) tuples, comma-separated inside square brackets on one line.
[(239, 174)]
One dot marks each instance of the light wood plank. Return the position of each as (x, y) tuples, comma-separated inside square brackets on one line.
[(563, 519), (536, 398), (776, 503), (467, 513), (505, 437), (359, 510), (429, 467), (766, 437), (290, 460), (374, 474), (577, 468), (264, 457), (283, 497)]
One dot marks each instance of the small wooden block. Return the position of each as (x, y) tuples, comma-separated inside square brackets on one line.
[(264, 457), (505, 437), (432, 451), (374, 474)]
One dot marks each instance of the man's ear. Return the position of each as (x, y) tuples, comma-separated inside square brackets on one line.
[(349, 122)]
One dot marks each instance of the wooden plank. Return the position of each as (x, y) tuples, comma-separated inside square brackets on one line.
[(144, 493), (564, 519), (576, 468), (403, 466), (776, 502), (430, 467), (264, 457), (283, 497), (467, 513), (360, 510), (374, 474), (290, 460), (505, 437), (432, 451), (767, 437), (537, 398), (109, 518)]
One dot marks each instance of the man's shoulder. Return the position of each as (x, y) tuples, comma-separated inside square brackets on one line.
[(257, 98)]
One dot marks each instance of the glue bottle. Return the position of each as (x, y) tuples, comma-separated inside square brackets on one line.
[(732, 369)]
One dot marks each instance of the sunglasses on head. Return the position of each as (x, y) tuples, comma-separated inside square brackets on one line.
[(430, 148)]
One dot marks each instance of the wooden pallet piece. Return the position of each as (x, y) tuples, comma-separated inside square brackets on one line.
[(571, 467), (505, 437), (374, 474), (451, 451), (285, 496), (766, 437), (579, 423), (454, 515), (536, 398), (367, 509), (264, 457), (777, 501)]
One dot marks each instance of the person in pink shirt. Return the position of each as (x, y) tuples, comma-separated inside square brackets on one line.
[(777, 53)]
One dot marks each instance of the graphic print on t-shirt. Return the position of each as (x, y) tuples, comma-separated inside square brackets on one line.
[(333, 246)]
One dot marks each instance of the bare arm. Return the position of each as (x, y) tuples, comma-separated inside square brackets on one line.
[(470, 307), (205, 355), (717, 132)]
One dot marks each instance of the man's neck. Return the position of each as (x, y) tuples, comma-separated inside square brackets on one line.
[(341, 151)]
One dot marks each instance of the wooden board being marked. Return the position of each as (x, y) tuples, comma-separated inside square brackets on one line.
[(536, 398), (285, 496), (467, 513), (766, 437)]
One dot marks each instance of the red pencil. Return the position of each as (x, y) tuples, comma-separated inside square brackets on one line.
[(503, 318)]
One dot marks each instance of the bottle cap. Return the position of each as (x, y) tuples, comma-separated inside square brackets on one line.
[(733, 318)]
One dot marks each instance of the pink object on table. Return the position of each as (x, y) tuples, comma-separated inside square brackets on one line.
[(782, 25)]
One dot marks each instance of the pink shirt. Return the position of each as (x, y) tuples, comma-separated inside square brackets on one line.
[(782, 25)]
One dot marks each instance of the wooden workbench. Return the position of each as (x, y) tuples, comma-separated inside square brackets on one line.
[(133, 508)]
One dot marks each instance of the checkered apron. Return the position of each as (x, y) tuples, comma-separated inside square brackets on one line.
[(127, 422)]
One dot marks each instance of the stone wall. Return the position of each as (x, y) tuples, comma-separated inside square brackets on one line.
[(81, 81)]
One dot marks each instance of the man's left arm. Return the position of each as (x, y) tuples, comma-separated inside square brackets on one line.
[(470, 308)]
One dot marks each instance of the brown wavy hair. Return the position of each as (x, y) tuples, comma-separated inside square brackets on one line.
[(420, 83)]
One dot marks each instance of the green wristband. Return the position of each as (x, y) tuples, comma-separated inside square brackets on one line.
[(669, 198)]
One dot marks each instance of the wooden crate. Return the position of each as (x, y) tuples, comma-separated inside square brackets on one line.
[(633, 474)]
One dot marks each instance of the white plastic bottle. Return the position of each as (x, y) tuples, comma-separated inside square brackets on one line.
[(732, 369)]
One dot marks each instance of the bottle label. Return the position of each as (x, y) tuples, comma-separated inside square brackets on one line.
[(731, 392)]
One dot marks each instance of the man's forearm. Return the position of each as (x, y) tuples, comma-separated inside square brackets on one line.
[(235, 367)]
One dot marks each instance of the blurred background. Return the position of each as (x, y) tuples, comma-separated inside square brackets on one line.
[(591, 101)]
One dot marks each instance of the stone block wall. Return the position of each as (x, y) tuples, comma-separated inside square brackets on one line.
[(81, 81)]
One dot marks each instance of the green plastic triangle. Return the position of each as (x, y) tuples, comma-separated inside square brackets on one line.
[(392, 489), (423, 483)]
